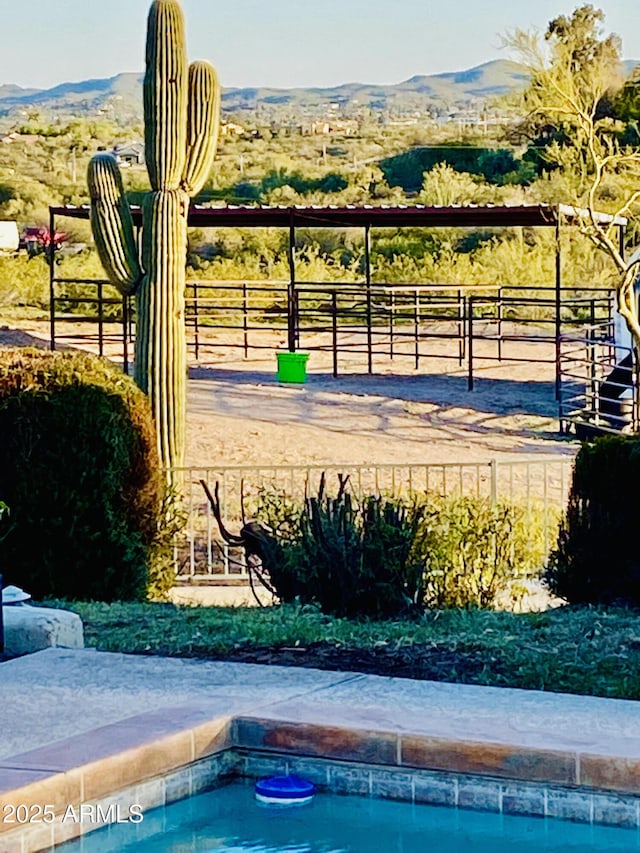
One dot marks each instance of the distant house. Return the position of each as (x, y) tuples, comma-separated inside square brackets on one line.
[(130, 155), (9, 236), (326, 126), (230, 128), (14, 136)]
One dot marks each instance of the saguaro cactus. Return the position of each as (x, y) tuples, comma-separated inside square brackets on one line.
[(181, 113)]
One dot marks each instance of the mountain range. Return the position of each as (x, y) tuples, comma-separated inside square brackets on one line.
[(122, 93), (423, 91)]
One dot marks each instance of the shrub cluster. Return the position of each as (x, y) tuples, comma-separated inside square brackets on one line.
[(386, 557), (351, 559), (474, 550), (80, 474), (597, 560)]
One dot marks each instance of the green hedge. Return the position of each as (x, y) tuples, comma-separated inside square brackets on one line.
[(597, 560), (80, 474)]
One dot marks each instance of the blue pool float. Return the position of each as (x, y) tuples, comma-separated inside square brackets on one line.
[(284, 791)]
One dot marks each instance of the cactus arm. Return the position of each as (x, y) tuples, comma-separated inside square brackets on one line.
[(202, 126), (112, 224), (165, 95)]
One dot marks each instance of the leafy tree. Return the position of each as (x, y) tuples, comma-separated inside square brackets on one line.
[(626, 107), (443, 185), (572, 77)]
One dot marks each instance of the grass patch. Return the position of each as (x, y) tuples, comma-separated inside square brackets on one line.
[(584, 650), (23, 313)]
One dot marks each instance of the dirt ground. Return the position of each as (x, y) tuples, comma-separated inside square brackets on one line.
[(437, 662), (238, 413)]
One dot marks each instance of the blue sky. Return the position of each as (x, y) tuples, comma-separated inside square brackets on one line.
[(281, 42)]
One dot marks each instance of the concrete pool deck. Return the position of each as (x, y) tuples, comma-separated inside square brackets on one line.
[(80, 726)]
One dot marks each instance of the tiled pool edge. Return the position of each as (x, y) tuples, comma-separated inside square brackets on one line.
[(154, 759), (440, 788), (138, 756), (162, 790)]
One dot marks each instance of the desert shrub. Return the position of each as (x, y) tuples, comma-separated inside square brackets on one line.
[(597, 559), (382, 556), (24, 281), (350, 557), (79, 470), (171, 521), (474, 550)]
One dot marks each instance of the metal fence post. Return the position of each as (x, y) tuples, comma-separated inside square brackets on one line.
[(461, 326), (500, 324), (245, 320), (593, 393), (470, 346), (416, 328), (100, 319), (125, 343), (52, 281), (635, 400), (367, 258), (392, 308), (196, 329), (334, 330), (292, 332), (558, 311)]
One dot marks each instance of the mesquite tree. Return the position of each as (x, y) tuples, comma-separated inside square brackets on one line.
[(181, 114), (574, 77)]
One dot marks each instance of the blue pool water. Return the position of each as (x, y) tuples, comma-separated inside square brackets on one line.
[(230, 820)]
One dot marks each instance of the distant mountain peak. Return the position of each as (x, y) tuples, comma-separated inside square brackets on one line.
[(122, 93)]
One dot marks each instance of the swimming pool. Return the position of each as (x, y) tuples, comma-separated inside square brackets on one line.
[(228, 819)]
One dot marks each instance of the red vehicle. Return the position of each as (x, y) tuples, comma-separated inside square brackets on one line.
[(37, 238)]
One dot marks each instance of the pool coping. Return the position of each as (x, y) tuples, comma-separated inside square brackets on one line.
[(164, 755)]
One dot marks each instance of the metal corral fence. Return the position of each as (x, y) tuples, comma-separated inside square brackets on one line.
[(599, 382), (538, 486), (378, 322), (350, 327)]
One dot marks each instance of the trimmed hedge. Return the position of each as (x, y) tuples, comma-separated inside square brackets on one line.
[(80, 473), (597, 560)]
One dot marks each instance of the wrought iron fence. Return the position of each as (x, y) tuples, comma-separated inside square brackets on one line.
[(538, 486)]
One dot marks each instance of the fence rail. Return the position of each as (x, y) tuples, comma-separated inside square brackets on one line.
[(599, 382), (356, 325), (539, 485)]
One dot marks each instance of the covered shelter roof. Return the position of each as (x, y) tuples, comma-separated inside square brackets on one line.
[(367, 216)]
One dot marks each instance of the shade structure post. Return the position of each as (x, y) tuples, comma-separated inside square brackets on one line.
[(367, 270), (291, 298), (558, 310), (52, 294)]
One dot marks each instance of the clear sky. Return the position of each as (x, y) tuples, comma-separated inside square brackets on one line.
[(281, 43)]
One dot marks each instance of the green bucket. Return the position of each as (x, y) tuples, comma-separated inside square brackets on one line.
[(292, 367)]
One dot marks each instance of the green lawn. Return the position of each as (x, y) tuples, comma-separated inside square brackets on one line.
[(578, 650)]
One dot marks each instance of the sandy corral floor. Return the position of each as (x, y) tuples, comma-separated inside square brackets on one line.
[(238, 413)]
